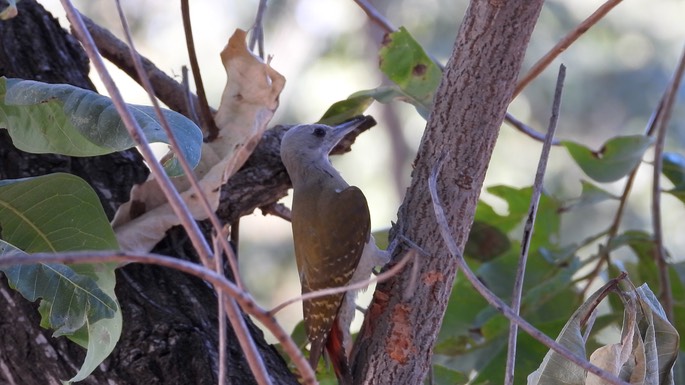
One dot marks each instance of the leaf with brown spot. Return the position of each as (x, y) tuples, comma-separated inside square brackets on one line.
[(414, 75), (406, 64)]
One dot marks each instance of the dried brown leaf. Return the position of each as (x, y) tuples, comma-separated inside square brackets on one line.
[(248, 103)]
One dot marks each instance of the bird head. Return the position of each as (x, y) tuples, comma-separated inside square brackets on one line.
[(313, 142)]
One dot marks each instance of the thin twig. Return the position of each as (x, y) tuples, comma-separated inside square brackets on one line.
[(526, 129), (220, 282), (530, 222), (252, 356), (563, 44), (205, 113), (411, 253), (495, 301), (257, 34), (665, 294), (376, 16)]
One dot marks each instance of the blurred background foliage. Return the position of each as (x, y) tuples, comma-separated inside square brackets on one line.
[(328, 50)]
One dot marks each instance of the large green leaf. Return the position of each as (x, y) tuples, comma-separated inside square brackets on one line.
[(60, 212), (69, 298), (618, 157), (63, 119)]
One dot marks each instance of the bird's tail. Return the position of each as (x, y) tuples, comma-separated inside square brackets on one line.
[(337, 354)]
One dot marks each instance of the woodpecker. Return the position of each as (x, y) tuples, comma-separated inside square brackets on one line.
[(332, 236)]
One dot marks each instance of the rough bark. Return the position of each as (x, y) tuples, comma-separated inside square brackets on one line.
[(170, 326), (396, 340)]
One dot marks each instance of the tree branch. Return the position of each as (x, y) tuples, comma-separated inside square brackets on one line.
[(470, 105)]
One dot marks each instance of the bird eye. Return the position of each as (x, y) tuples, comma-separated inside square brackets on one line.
[(319, 132)]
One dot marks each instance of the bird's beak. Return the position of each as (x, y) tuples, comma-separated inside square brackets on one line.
[(341, 130)]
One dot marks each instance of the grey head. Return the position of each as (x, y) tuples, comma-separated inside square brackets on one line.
[(307, 145)]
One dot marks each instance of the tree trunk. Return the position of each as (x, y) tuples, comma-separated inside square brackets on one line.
[(396, 340), (170, 321)]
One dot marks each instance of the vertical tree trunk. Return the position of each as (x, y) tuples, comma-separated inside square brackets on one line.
[(170, 323), (396, 340)]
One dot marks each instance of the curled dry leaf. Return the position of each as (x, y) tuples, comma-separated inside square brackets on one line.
[(248, 103), (645, 355)]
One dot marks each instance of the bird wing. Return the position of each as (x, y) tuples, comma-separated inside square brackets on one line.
[(336, 230)]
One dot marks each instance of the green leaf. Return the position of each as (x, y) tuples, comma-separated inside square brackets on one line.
[(50, 213), (344, 110), (67, 120), (618, 157), (69, 298), (405, 63), (414, 75), (60, 212), (518, 202), (100, 338)]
